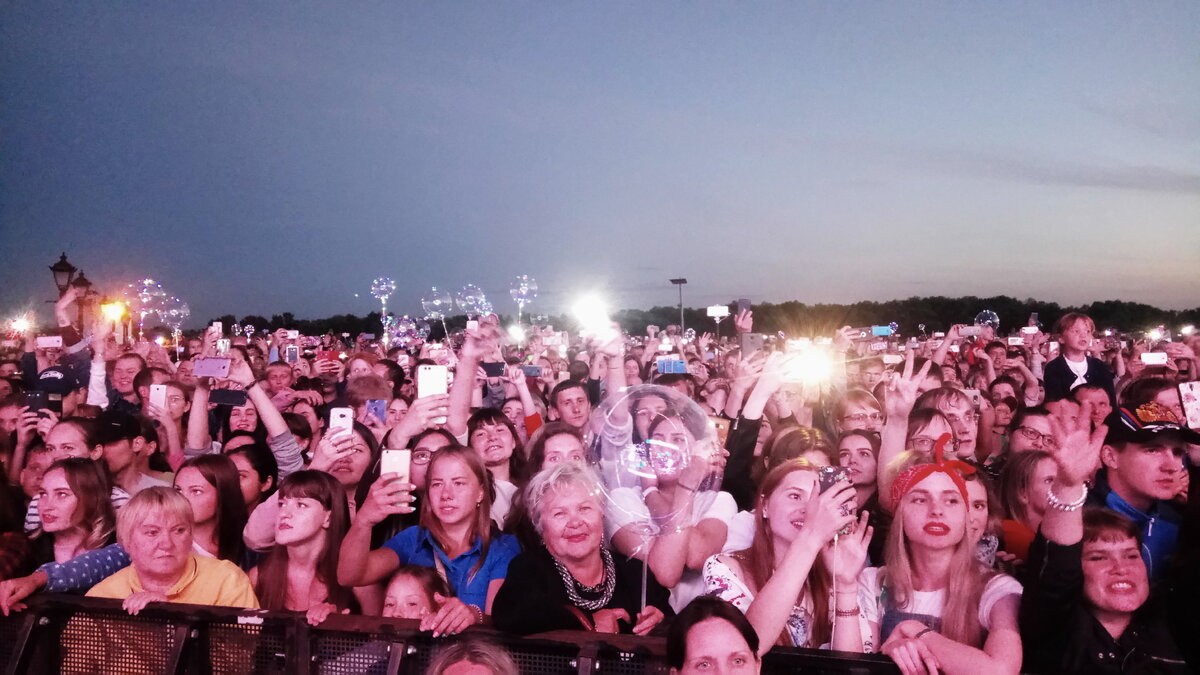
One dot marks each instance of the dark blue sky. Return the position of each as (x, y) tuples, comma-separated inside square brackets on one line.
[(268, 157)]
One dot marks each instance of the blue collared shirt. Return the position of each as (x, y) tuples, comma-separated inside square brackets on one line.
[(1160, 530), (416, 546)]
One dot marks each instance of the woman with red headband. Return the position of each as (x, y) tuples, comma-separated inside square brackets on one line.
[(934, 606)]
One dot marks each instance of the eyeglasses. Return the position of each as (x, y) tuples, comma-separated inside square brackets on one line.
[(926, 444), (965, 418), (422, 456), (1032, 434), (863, 418)]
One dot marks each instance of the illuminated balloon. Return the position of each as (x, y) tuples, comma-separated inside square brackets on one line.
[(422, 329), (650, 434), (471, 301), (690, 334), (176, 313), (523, 290), (988, 318), (437, 303), (382, 288)]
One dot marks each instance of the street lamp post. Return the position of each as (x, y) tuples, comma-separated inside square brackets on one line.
[(680, 282), (64, 273)]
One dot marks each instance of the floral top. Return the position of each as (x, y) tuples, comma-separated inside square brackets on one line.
[(723, 582)]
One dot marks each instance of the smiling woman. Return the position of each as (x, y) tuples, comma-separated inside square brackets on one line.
[(573, 581)]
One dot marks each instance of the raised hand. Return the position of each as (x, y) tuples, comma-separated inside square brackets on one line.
[(1078, 451), (903, 388), (847, 556)]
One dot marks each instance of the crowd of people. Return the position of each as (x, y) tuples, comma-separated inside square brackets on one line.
[(968, 503)]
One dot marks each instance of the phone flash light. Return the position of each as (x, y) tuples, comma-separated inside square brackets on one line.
[(516, 333), (1188, 329), (160, 340), (113, 311), (20, 325), (1155, 334), (592, 314)]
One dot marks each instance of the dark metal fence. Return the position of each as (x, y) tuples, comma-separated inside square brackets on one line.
[(68, 634)]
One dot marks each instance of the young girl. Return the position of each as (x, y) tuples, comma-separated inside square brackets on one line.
[(210, 484), (1027, 477), (412, 593), (456, 537), (781, 584), (934, 605), (76, 513), (300, 571), (257, 473)]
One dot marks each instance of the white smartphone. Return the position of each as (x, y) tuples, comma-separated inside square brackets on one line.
[(1154, 358), (1052, 346), (220, 327), (341, 418), (293, 334), (472, 325), (1014, 341), (893, 359), (158, 395), (973, 394), (397, 462), (223, 345), (49, 341), (432, 381)]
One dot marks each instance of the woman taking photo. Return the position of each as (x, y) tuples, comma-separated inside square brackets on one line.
[(572, 581), (456, 536), (784, 582), (300, 572)]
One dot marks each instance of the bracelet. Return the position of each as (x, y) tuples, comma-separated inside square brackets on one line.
[(1057, 504), (922, 633), (848, 612), (478, 614)]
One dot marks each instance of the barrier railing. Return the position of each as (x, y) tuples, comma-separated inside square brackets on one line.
[(69, 634)]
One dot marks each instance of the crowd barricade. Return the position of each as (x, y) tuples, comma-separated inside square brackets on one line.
[(70, 634)]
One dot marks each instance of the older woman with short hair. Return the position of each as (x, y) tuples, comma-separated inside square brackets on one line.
[(155, 528), (572, 581)]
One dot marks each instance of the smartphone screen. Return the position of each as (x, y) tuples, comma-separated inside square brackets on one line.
[(291, 354), (36, 400), (397, 462), (49, 341), (1189, 396), (223, 346), (493, 369), (158, 396), (230, 397), (1154, 358), (212, 367), (432, 381), (377, 408), (743, 305)]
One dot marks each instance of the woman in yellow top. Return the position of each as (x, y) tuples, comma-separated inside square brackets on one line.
[(155, 528)]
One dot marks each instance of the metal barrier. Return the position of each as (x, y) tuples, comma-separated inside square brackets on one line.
[(69, 634)]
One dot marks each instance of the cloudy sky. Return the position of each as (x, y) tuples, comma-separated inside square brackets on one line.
[(267, 157)]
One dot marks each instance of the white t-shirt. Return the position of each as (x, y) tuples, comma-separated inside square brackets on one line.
[(1080, 369), (930, 602), (505, 491), (627, 506)]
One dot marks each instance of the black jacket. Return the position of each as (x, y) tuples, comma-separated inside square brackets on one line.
[(1059, 378), (1060, 634)]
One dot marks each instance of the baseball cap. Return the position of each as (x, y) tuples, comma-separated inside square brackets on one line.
[(1146, 423)]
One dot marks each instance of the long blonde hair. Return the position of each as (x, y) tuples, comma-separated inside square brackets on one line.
[(964, 586)]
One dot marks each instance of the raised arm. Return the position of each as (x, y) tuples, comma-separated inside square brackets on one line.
[(898, 403)]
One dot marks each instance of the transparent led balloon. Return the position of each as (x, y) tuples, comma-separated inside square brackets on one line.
[(437, 303), (654, 439), (988, 318), (471, 301)]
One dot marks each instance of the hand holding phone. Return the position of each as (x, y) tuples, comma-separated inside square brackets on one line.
[(396, 461)]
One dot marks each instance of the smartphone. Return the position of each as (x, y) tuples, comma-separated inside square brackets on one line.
[(743, 305), (751, 342), (973, 394), (397, 462), (158, 396), (220, 327), (291, 354), (378, 410), (880, 346), (49, 342), (402, 360), (1033, 321), (532, 371), (432, 381), (1189, 396), (341, 418), (1052, 346), (893, 359), (367, 336), (667, 365), (718, 311), (829, 476), (881, 331), (232, 397), (1154, 358), (1014, 341), (36, 400), (223, 346), (327, 355), (293, 335), (1029, 330), (970, 331), (954, 348), (493, 369), (212, 367), (472, 325), (722, 425)]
